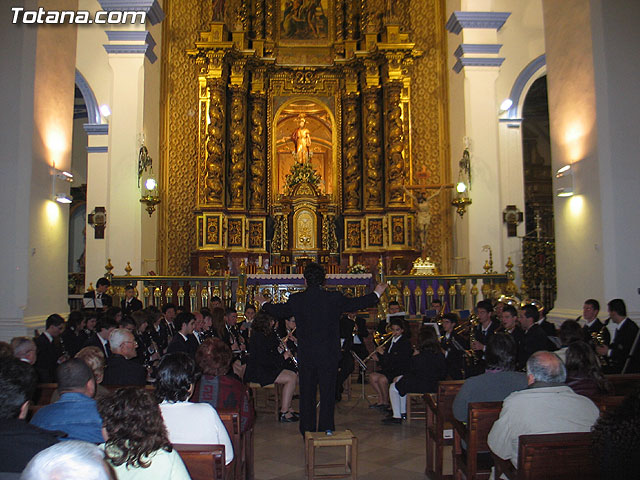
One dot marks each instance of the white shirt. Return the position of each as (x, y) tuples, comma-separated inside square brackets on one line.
[(196, 423)]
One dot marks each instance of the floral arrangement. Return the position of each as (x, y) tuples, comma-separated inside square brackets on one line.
[(357, 268), (302, 172)]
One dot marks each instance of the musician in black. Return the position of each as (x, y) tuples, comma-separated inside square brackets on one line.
[(98, 299), (236, 342), (346, 363), (592, 325), (394, 359), (130, 303), (454, 347), (485, 329)]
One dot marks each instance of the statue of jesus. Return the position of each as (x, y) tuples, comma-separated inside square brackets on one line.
[(423, 216), (301, 140)]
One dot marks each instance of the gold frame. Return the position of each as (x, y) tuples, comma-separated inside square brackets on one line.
[(368, 244), (320, 43), (243, 233), (262, 221), (205, 244)]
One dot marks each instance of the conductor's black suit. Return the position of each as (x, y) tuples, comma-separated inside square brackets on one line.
[(317, 313)]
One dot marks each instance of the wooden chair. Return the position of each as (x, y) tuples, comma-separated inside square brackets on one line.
[(272, 393), (475, 462), (624, 384), (551, 456), (416, 408), (204, 462), (43, 393), (439, 415)]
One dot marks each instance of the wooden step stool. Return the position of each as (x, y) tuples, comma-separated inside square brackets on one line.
[(272, 394), (346, 438)]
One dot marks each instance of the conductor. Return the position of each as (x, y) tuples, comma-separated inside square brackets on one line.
[(317, 313)]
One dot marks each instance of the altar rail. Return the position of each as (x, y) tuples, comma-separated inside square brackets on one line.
[(415, 293)]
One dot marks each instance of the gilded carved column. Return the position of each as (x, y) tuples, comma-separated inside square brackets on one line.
[(257, 155), (373, 155), (258, 21), (352, 176), (214, 168), (339, 20), (395, 144), (237, 137)]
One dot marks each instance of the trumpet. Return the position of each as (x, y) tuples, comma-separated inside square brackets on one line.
[(380, 340)]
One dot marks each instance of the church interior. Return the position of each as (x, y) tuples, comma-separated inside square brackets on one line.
[(457, 149)]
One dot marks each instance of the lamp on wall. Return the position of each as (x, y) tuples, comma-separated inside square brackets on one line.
[(463, 185), (150, 195), (56, 188), (564, 182)]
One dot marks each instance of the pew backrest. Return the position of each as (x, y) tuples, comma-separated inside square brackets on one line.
[(204, 462)]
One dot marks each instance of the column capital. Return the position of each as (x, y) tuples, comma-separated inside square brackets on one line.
[(128, 42), (487, 20), (477, 55), (152, 8)]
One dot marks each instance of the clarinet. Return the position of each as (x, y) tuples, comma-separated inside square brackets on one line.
[(285, 349)]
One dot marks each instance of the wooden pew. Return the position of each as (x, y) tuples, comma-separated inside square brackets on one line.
[(624, 384), (607, 403), (439, 415), (475, 433), (43, 393), (552, 456), (204, 462), (231, 420)]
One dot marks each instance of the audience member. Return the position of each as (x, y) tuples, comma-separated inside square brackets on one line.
[(49, 350), (499, 380), (24, 349), (130, 303), (546, 406), (624, 340), (427, 367), (136, 441), (75, 413), (570, 331), (616, 440), (72, 460), (187, 422), (584, 374), (19, 441), (217, 388), (183, 340), (121, 369)]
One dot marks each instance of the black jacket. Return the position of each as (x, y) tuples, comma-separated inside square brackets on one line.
[(120, 371), (426, 370), (20, 441)]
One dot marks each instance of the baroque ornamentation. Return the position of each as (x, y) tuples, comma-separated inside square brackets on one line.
[(372, 150), (257, 168), (351, 149), (213, 178), (237, 149), (395, 145)]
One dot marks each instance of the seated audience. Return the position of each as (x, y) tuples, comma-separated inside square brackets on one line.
[(136, 442), (394, 360), (217, 388), (499, 380), (427, 368), (75, 413), (267, 364), (584, 374), (24, 349), (570, 331), (73, 460), (187, 422), (19, 441), (121, 369), (546, 406), (616, 440), (49, 349), (94, 358)]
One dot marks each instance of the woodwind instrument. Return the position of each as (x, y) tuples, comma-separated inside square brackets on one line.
[(283, 346), (598, 340), (473, 323)]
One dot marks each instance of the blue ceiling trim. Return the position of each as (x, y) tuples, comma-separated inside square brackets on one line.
[(474, 48), (154, 11), (477, 62), (96, 128), (518, 86), (491, 20), (93, 112)]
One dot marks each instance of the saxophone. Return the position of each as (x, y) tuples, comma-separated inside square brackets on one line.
[(471, 353), (598, 340)]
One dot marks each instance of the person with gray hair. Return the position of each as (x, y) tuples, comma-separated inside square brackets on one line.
[(24, 349), (546, 406), (72, 460), (121, 369)]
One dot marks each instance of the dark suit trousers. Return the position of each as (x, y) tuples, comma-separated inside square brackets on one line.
[(311, 378)]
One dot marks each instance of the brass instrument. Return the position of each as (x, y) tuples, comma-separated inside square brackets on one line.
[(380, 340), (472, 354), (532, 301), (598, 340)]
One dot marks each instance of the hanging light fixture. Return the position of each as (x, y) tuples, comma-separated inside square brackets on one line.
[(463, 185), (149, 191)]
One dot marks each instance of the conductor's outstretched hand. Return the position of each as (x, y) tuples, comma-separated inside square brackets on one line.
[(380, 288)]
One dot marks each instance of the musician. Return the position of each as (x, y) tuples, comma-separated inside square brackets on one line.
[(359, 331), (266, 364), (592, 325), (49, 350), (156, 332), (394, 309), (147, 348), (485, 329), (245, 327), (73, 336), (167, 328), (198, 329), (427, 367), (453, 346), (534, 338), (130, 303), (394, 359), (236, 342), (183, 341), (624, 340), (346, 364), (98, 299), (510, 325), (207, 322)]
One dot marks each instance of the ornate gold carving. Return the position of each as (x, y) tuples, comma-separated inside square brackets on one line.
[(256, 234), (353, 11), (237, 151), (234, 233), (257, 168), (395, 145), (375, 231), (213, 178), (258, 23), (354, 234), (213, 231), (397, 230), (305, 229), (372, 150), (339, 20), (351, 148)]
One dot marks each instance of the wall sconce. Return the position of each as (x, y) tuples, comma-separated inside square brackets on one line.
[(150, 194), (464, 184), (60, 176), (564, 182)]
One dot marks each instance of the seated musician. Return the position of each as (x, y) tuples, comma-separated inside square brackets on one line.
[(266, 364), (453, 346), (485, 329), (346, 364), (217, 388), (394, 359), (498, 381), (428, 367), (236, 341), (186, 422), (394, 309), (435, 313)]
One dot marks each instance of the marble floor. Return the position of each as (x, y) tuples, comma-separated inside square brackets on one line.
[(385, 452)]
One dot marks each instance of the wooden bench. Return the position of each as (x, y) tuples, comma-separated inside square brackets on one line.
[(607, 403), (439, 415), (476, 462), (204, 462), (241, 447), (624, 384), (551, 456)]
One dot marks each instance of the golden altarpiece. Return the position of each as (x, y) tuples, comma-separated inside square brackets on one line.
[(290, 133)]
